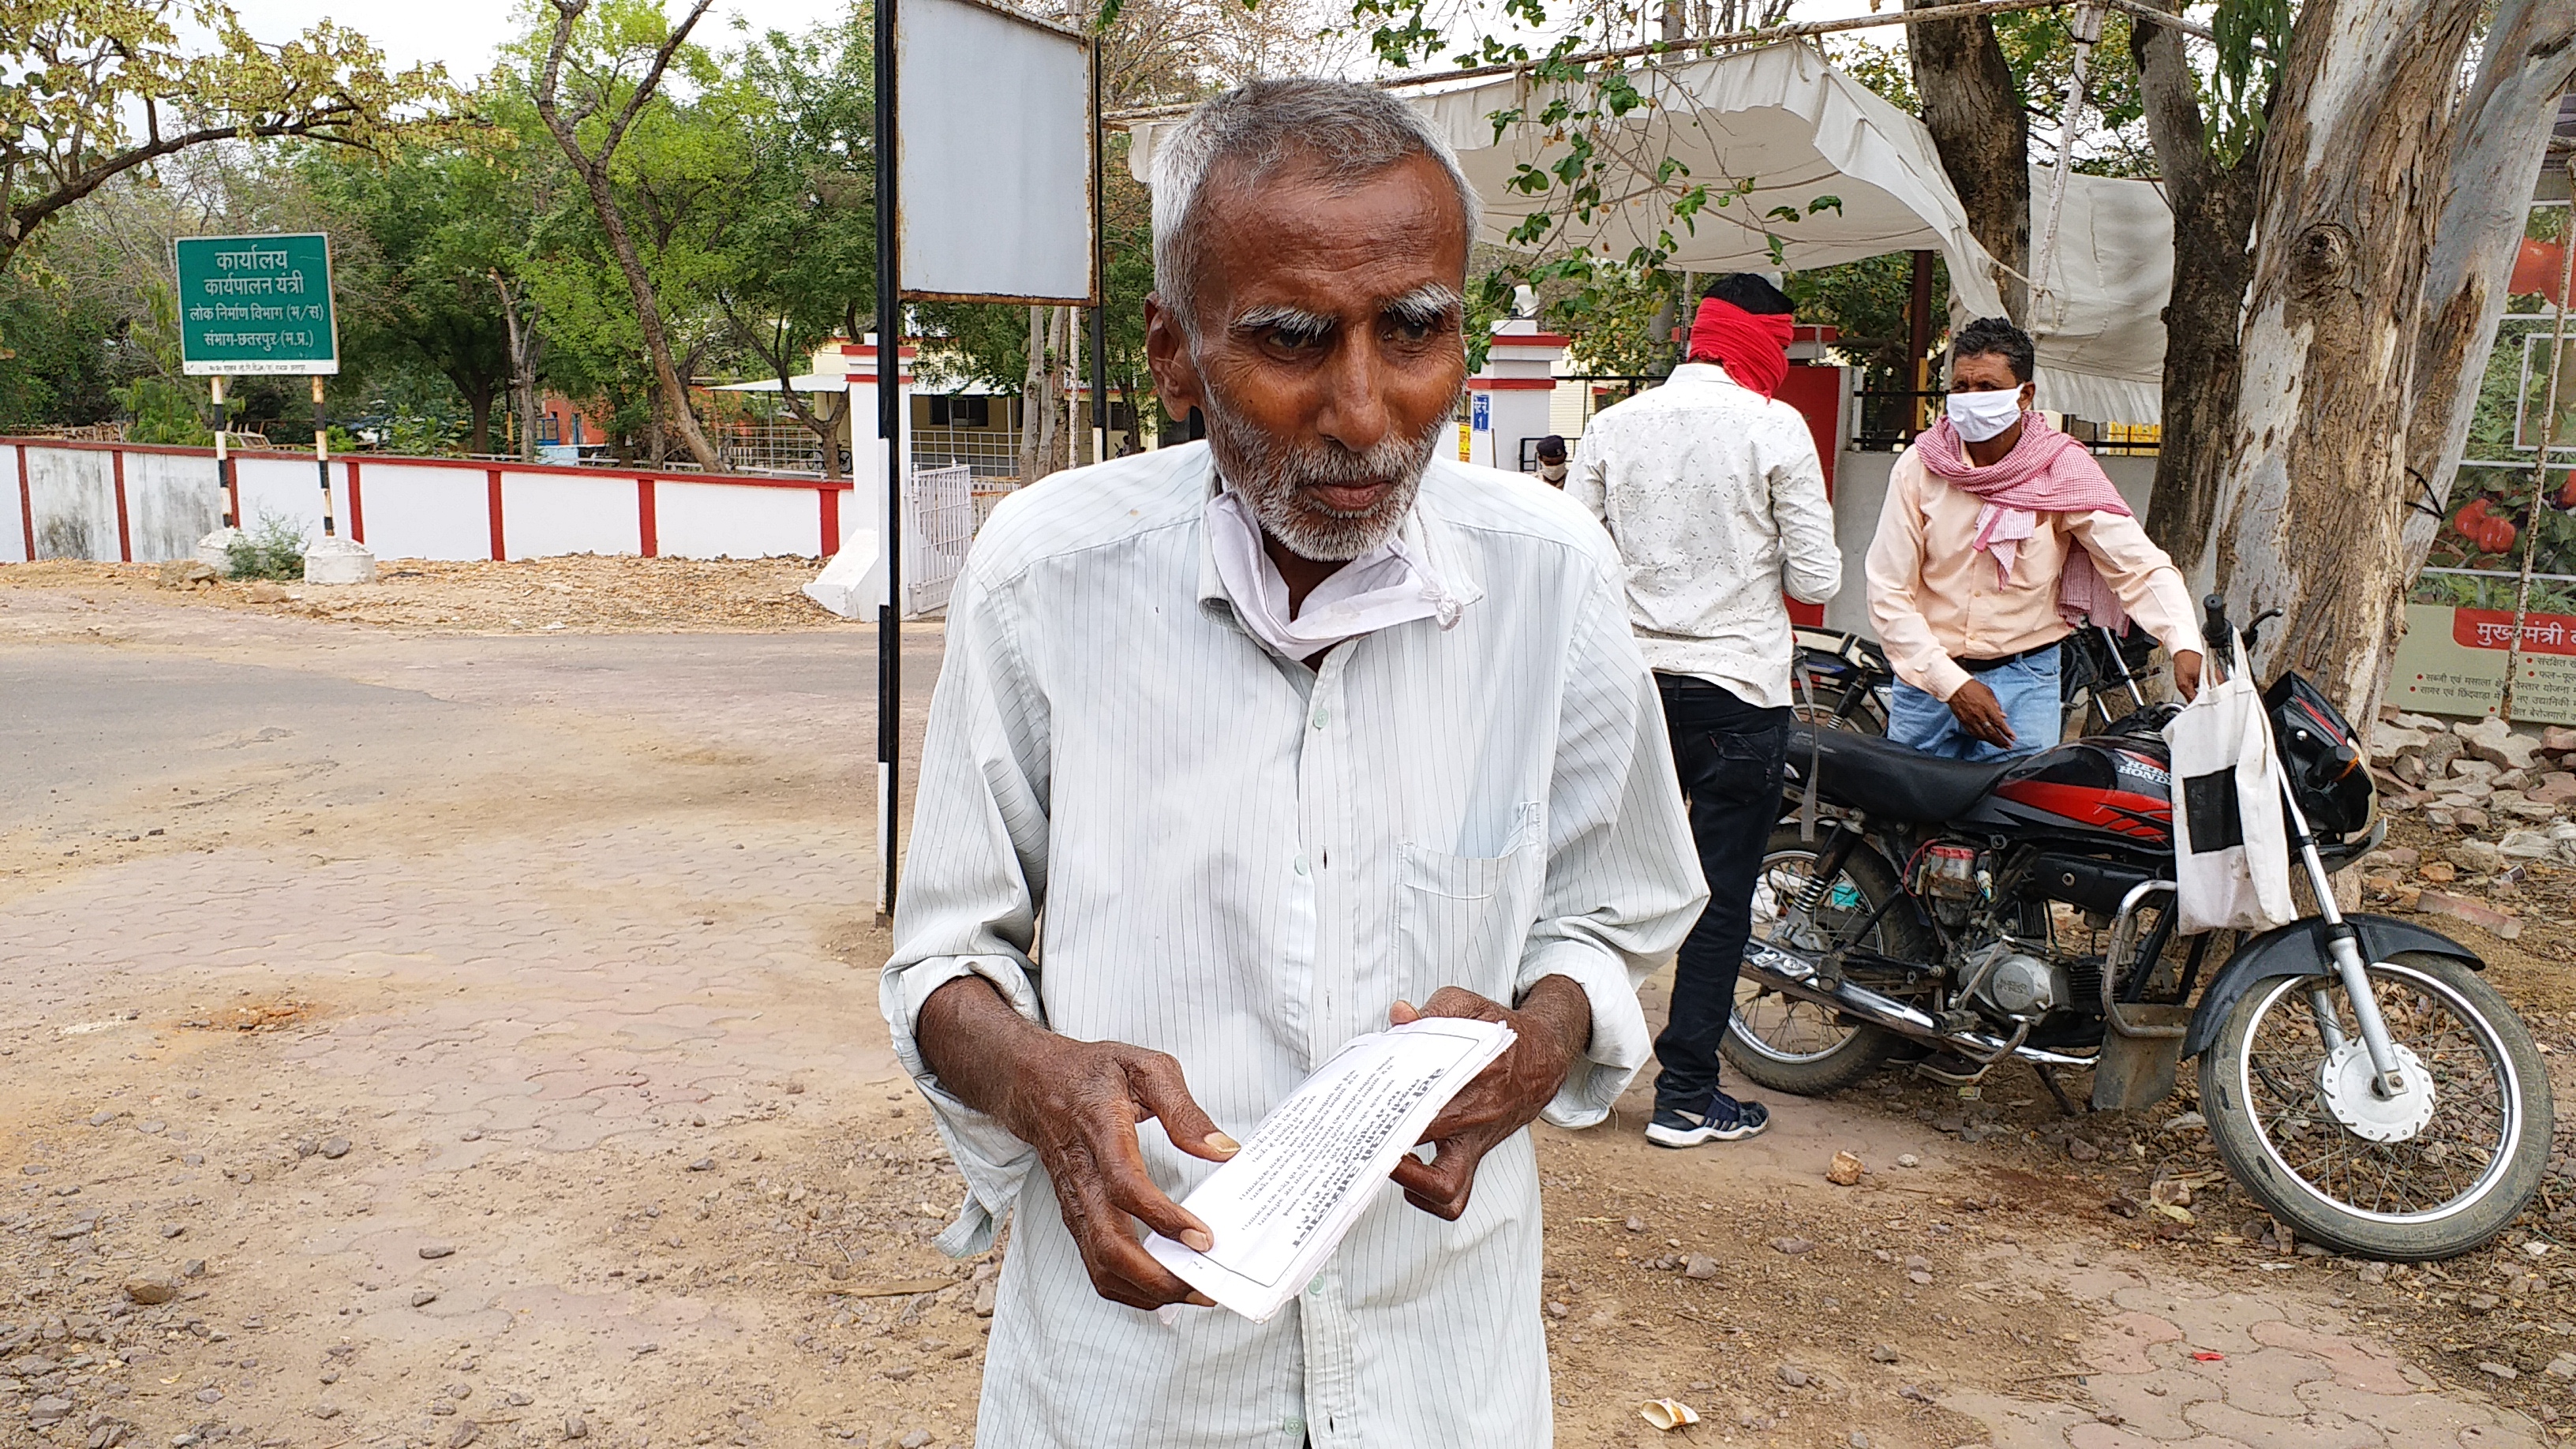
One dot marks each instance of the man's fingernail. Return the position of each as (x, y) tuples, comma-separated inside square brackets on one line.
[(1222, 1143), (1200, 1300), (1196, 1240)]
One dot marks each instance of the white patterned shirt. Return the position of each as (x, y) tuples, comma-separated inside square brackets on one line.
[(1717, 499), (1243, 862)]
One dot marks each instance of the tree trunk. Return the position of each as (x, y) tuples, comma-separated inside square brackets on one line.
[(2313, 481), (2213, 208), (478, 409), (1974, 112), (1033, 398), (593, 170), (2503, 138)]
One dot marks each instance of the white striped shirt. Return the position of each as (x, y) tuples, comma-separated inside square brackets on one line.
[(1243, 862)]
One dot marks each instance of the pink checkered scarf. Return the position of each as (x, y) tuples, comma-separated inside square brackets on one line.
[(2046, 472)]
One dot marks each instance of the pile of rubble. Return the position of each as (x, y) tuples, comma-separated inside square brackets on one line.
[(2496, 803)]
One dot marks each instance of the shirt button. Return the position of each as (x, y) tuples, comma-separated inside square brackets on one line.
[(1298, 865), (1322, 716)]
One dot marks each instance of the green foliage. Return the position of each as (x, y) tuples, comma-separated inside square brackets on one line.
[(1612, 321), (1868, 302), (2253, 35), (165, 410), (272, 550), (98, 88), (58, 360)]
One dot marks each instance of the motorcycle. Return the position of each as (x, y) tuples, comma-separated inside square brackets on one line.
[(1843, 679), (2357, 1075)]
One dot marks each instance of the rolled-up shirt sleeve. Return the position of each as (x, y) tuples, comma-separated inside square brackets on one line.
[(2142, 575), (1623, 881), (1895, 576), (974, 880)]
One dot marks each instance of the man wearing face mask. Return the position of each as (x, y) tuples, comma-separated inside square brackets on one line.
[(1712, 490), (1550, 453), (1999, 532)]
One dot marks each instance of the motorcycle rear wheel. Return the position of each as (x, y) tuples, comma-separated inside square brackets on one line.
[(1793, 1046), (2269, 1089)]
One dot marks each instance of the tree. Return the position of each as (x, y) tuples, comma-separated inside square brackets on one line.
[(2527, 60), (98, 89), (800, 265), (2210, 174), (2360, 166), (442, 221), (1972, 105), (628, 35)]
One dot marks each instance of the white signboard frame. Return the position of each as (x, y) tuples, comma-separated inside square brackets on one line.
[(993, 148)]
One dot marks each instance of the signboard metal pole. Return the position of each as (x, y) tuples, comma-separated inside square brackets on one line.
[(889, 430), (223, 459), (1099, 273), (322, 456)]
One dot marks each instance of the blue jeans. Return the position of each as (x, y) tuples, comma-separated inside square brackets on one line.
[(2026, 688)]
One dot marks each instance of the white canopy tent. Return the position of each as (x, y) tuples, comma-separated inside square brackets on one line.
[(1801, 130)]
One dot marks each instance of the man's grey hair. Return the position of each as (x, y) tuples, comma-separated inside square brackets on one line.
[(1353, 132)]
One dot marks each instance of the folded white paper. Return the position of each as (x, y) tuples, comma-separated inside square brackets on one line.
[(1279, 1207)]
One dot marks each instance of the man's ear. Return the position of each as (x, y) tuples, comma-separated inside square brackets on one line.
[(1167, 353), (2029, 396)]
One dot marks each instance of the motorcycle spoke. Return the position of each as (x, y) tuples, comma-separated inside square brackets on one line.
[(2448, 1159)]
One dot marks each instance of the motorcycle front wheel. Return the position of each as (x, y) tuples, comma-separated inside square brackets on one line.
[(2432, 1173)]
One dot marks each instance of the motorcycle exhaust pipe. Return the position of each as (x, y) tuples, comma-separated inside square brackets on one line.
[(1789, 973)]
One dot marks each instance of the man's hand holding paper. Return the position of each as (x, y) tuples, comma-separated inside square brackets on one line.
[(1549, 1033)]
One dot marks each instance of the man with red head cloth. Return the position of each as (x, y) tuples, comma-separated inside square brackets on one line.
[(1711, 488)]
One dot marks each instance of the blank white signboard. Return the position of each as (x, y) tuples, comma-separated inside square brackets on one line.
[(993, 154)]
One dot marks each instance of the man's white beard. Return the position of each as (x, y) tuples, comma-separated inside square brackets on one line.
[(1274, 478)]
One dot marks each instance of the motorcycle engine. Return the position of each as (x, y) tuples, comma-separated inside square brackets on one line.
[(2017, 983)]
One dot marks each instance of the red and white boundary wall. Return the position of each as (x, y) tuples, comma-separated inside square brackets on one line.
[(143, 504)]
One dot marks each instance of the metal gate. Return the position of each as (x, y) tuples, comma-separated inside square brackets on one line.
[(938, 524)]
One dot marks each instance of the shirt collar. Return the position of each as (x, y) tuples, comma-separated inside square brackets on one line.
[(1431, 540), (1703, 372)]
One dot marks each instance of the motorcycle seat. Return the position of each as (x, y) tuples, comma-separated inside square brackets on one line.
[(1890, 781)]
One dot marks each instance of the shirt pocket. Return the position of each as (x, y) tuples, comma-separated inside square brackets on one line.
[(1461, 920)]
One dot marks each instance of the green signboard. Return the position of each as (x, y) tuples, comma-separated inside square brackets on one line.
[(256, 304)]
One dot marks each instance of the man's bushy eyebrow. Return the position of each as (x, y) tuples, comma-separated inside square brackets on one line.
[(1431, 305), (1278, 316), (1428, 306)]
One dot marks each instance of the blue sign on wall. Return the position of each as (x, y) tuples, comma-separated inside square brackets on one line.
[(1480, 412)]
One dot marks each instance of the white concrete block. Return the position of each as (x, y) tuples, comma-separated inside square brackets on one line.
[(852, 585), (215, 551), (338, 561)]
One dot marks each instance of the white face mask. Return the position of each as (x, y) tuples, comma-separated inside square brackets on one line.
[(1552, 472), (1978, 416)]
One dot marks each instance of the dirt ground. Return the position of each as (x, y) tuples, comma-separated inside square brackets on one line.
[(584, 593), (430, 1040)]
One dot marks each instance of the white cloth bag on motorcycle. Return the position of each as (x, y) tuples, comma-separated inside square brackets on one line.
[(2231, 846)]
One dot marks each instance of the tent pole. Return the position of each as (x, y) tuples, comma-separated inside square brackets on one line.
[(2087, 30)]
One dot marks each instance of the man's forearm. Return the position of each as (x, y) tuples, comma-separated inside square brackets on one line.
[(974, 1042)]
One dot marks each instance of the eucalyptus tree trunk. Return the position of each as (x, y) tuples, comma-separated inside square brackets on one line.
[(2528, 61), (1973, 109), (2313, 480), (2213, 209)]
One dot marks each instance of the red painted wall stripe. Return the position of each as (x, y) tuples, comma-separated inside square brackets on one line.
[(831, 521), (648, 536), (26, 504), (492, 498), (357, 508), (124, 535)]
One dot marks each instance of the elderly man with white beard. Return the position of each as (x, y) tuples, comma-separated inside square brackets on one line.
[(1282, 739)]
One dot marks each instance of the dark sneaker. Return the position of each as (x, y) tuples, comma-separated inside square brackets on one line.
[(1727, 1120)]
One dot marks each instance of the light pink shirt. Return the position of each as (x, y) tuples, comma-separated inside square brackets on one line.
[(1936, 600)]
